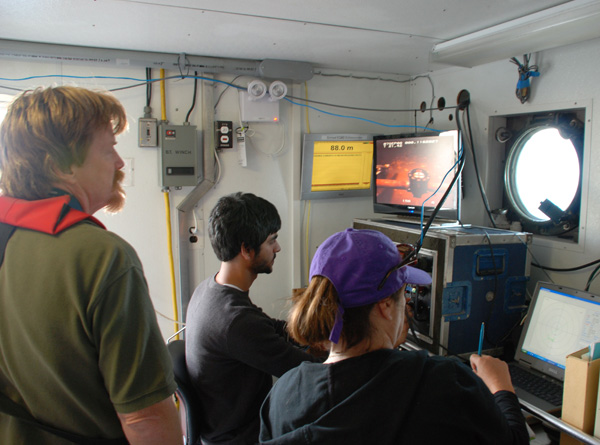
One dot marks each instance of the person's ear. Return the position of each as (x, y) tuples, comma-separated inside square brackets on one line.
[(247, 253), (386, 308), (66, 177)]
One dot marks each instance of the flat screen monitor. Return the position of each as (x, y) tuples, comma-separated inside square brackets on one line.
[(336, 165), (413, 171)]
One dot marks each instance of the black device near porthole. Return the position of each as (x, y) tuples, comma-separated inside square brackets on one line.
[(542, 177)]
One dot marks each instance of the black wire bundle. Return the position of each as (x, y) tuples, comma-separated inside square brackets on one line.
[(187, 117), (461, 163)]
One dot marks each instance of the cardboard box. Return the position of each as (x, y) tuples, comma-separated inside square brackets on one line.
[(580, 394)]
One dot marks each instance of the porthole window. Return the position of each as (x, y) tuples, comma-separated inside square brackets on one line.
[(542, 177)]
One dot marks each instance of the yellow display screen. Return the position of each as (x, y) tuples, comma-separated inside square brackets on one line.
[(342, 165)]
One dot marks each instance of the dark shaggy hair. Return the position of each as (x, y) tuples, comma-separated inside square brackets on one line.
[(241, 219)]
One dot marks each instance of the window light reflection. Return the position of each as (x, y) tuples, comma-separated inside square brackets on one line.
[(547, 168)]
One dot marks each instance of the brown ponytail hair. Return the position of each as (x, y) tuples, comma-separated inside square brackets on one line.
[(312, 316)]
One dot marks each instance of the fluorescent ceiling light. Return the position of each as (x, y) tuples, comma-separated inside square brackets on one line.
[(571, 22)]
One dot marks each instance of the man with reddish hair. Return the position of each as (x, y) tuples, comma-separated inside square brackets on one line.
[(81, 355)]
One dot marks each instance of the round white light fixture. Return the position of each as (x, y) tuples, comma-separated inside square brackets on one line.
[(277, 90), (257, 90)]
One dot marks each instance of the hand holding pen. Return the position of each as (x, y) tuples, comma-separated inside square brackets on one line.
[(494, 372), (481, 335)]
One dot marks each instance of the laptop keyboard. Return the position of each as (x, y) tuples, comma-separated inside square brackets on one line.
[(536, 385)]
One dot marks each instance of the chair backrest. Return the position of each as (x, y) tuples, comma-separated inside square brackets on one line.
[(189, 406)]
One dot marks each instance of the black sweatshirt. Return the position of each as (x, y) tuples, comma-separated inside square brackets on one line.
[(389, 397), (233, 350)]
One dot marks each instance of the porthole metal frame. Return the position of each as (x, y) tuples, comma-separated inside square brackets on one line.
[(569, 127)]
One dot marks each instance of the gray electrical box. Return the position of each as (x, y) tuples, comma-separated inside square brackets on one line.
[(180, 155)]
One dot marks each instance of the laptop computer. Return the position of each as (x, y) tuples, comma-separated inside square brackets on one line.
[(560, 321)]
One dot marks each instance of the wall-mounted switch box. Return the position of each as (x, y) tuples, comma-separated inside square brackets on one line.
[(224, 134), (148, 132), (180, 155)]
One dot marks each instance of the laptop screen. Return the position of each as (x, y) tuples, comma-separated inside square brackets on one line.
[(560, 321)]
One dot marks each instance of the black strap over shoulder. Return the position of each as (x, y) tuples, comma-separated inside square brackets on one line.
[(8, 406), (6, 231)]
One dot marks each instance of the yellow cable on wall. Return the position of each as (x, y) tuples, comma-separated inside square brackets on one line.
[(163, 108), (306, 108), (307, 244), (171, 263), (307, 235)]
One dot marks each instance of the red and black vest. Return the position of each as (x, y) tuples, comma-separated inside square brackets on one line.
[(50, 215)]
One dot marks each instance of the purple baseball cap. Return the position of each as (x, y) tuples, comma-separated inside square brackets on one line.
[(356, 261)]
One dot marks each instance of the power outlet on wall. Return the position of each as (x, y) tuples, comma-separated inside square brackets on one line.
[(224, 134)]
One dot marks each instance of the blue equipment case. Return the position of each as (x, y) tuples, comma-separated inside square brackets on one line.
[(479, 276)]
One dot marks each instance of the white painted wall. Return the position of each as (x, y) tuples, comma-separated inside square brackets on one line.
[(568, 75), (568, 79)]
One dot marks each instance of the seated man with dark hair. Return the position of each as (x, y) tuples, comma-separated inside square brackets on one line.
[(233, 349)]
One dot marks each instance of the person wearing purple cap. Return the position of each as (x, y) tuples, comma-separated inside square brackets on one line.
[(369, 391)]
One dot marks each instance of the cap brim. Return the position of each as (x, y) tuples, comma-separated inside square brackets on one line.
[(416, 276)]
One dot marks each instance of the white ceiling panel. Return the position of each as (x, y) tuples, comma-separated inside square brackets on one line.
[(382, 36)]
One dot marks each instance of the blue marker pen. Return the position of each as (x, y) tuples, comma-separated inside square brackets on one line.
[(482, 330)]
